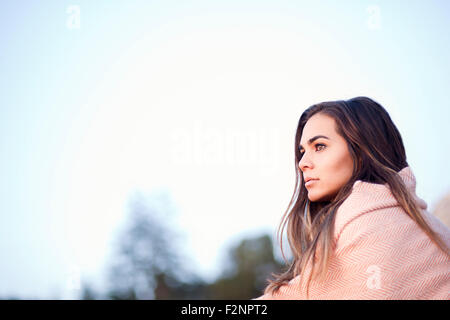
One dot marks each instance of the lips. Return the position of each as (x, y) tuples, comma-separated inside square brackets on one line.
[(310, 182), (309, 178)]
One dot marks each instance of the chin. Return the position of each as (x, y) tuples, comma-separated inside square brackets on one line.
[(313, 198), (317, 197)]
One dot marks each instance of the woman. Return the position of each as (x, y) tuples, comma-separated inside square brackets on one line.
[(356, 228)]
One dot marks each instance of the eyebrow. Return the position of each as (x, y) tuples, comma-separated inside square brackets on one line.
[(315, 138)]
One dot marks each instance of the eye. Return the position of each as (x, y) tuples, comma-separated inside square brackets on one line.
[(321, 145), (316, 145)]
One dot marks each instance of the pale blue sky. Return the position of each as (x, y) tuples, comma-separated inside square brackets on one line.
[(199, 98)]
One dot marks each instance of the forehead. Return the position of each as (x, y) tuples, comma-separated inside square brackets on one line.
[(319, 124)]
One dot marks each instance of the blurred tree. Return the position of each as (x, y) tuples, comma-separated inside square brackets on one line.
[(252, 261), (168, 288), (147, 264), (88, 293), (442, 210)]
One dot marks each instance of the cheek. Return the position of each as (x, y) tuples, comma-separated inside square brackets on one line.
[(336, 170), (321, 191), (342, 170)]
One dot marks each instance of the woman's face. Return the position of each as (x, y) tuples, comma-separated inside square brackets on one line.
[(326, 159)]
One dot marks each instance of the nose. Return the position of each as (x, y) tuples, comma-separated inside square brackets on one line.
[(304, 163)]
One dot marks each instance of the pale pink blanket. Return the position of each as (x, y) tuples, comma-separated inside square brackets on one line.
[(380, 253)]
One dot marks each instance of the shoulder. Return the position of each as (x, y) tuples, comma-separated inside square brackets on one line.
[(367, 203), (371, 211)]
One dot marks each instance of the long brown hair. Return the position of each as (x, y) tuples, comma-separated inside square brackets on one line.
[(378, 154)]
